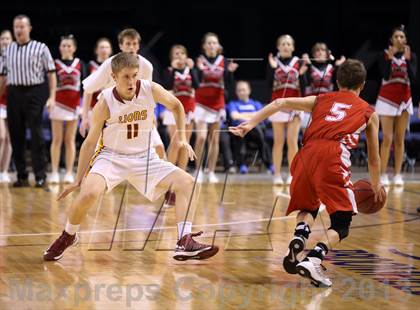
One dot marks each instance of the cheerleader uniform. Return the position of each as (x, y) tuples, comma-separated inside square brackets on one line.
[(182, 83), (285, 82), (69, 76), (210, 94), (394, 95)]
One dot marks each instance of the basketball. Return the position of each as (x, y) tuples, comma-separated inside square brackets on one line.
[(365, 197)]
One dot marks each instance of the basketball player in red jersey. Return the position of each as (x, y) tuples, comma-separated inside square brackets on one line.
[(214, 74), (103, 50), (321, 169), (70, 72)]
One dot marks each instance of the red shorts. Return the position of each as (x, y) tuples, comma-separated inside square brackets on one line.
[(321, 173)]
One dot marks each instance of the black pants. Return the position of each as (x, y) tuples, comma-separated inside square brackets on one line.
[(24, 109), (256, 135), (225, 149)]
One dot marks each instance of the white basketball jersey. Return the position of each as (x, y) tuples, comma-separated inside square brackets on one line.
[(128, 130)]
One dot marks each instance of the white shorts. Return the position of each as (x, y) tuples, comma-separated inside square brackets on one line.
[(304, 121), (206, 115), (142, 174), (61, 114), (156, 140), (3, 112), (285, 117), (384, 108), (169, 119)]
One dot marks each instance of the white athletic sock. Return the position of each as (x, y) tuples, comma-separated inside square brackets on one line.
[(71, 229), (184, 228)]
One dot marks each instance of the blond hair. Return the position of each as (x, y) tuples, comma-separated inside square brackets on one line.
[(284, 37), (175, 47), (124, 60)]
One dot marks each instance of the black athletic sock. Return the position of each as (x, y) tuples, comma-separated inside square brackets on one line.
[(302, 230), (319, 251)]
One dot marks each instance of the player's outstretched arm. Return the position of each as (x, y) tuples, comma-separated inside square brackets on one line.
[(99, 115), (372, 139), (84, 125), (301, 103), (172, 103)]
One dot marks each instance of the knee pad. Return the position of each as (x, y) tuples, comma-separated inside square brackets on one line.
[(340, 222)]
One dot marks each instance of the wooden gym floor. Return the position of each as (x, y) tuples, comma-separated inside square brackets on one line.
[(114, 267)]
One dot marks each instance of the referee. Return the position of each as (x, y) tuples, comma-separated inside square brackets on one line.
[(23, 68)]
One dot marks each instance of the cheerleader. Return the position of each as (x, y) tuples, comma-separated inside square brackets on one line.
[(179, 78), (320, 74), (284, 76), (70, 72), (5, 146), (398, 66), (103, 50), (214, 73)]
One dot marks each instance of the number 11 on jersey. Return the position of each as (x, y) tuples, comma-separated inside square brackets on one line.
[(132, 130)]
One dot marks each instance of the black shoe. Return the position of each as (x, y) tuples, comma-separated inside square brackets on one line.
[(41, 183), (21, 183), (290, 261)]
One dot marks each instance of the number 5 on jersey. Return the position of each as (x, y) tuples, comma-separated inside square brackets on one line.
[(337, 112)]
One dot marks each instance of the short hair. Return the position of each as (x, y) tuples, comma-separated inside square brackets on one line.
[(23, 16), (129, 33), (244, 82), (351, 74), (124, 60), (175, 47)]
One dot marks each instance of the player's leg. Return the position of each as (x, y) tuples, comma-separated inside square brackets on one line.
[(401, 123), (182, 154), (70, 147), (200, 142), (173, 150), (92, 187), (311, 266), (182, 184), (278, 136), (214, 137), (55, 148), (387, 125), (292, 142)]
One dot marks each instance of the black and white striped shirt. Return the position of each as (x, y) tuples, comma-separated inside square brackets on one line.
[(26, 64)]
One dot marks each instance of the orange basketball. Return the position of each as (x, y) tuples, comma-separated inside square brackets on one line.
[(365, 197)]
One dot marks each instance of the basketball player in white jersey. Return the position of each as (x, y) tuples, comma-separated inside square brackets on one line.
[(129, 42), (123, 119)]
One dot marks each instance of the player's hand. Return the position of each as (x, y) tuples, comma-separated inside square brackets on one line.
[(340, 61), (188, 148), (84, 126), (272, 61), (407, 52), (68, 190), (242, 129), (379, 193), (232, 66), (50, 104)]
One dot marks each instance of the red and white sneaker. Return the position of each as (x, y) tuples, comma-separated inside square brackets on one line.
[(57, 248), (188, 248)]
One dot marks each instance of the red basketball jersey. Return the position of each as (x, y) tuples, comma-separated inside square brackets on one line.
[(3, 98), (68, 84), (338, 116), (321, 81), (396, 90), (211, 91), (286, 79), (93, 66), (183, 89)]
